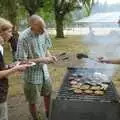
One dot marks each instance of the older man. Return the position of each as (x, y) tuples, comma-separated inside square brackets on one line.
[(33, 45)]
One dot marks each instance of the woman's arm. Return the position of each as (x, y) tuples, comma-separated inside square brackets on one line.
[(6, 73)]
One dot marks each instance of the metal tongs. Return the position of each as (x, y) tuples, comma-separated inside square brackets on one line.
[(82, 55), (63, 56)]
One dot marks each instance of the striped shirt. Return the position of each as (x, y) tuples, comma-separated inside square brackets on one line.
[(31, 46)]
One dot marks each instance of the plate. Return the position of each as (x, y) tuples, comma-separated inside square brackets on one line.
[(27, 63)]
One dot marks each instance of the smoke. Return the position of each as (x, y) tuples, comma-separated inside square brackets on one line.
[(106, 45)]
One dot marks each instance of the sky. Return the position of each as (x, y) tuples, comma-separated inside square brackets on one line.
[(109, 1)]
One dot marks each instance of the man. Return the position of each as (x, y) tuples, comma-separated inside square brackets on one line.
[(5, 34), (33, 46)]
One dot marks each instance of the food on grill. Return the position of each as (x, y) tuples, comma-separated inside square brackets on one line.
[(73, 82), (71, 78), (88, 91), (104, 86), (78, 91), (74, 75), (80, 76), (85, 87), (95, 87), (71, 89), (74, 86), (99, 92), (77, 85), (77, 79)]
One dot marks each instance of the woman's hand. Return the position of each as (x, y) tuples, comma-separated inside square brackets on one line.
[(21, 68)]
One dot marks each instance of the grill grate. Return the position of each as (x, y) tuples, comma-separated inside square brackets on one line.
[(64, 93)]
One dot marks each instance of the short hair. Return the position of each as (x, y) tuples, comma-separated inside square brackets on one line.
[(36, 17), (5, 25)]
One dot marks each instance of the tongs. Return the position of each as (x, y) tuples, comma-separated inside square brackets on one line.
[(82, 55), (63, 56)]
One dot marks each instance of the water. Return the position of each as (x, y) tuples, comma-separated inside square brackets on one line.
[(102, 39)]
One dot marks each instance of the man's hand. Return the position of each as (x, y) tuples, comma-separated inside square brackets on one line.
[(47, 60), (102, 60), (50, 59), (54, 58)]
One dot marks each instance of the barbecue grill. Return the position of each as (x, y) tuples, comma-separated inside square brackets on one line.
[(70, 106)]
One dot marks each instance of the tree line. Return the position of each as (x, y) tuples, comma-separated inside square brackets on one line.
[(54, 11)]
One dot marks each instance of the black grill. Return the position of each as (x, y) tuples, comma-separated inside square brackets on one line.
[(71, 106), (64, 93), (110, 95)]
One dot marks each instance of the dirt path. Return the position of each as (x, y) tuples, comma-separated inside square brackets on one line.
[(18, 109)]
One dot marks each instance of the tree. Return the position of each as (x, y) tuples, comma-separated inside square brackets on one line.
[(61, 8), (9, 8), (64, 7), (32, 5), (87, 4), (47, 13)]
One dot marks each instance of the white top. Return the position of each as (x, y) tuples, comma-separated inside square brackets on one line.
[(1, 49)]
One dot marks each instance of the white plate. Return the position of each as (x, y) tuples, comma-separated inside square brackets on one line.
[(32, 63)]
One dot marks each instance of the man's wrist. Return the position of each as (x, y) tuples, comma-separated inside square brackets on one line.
[(41, 59)]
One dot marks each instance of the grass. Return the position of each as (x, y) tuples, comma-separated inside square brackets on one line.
[(70, 44)]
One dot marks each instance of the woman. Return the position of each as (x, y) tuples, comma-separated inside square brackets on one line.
[(6, 34)]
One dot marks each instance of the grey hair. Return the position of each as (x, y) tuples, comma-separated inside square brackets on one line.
[(36, 17)]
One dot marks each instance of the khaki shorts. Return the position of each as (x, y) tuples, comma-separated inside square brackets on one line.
[(3, 111), (32, 91)]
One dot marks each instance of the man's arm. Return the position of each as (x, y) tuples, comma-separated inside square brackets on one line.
[(102, 60), (45, 60), (113, 61), (48, 59), (50, 55)]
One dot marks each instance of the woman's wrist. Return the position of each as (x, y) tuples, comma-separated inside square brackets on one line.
[(13, 69)]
